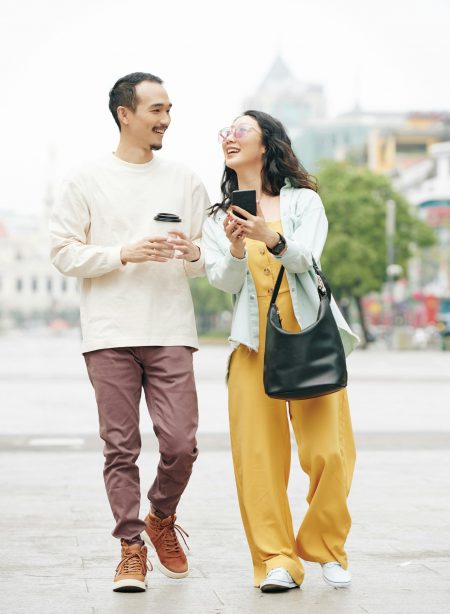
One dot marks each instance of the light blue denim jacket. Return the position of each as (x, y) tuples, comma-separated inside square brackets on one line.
[(305, 228)]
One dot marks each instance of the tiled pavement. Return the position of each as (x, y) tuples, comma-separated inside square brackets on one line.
[(57, 555)]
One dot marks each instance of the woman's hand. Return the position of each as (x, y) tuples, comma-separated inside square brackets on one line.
[(233, 231), (254, 226)]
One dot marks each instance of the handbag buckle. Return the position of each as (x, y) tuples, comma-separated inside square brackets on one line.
[(278, 314), (321, 286)]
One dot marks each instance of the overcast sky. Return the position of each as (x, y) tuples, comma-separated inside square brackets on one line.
[(59, 59)]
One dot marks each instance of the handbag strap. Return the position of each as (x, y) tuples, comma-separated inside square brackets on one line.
[(323, 287)]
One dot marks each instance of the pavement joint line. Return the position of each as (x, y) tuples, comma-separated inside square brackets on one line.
[(56, 441), (91, 442)]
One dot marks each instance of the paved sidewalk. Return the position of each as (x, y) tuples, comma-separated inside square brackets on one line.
[(56, 552), (57, 555)]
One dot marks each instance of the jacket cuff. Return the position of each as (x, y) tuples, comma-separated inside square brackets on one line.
[(236, 263), (295, 255)]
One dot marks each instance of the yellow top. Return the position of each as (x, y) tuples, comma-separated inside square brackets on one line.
[(263, 267), (264, 270)]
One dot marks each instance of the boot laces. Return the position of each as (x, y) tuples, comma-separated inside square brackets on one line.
[(170, 537), (134, 563)]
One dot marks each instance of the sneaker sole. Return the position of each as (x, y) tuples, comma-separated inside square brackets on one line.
[(129, 586), (277, 588), (167, 572), (337, 584)]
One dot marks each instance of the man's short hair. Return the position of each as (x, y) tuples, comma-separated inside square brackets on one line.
[(123, 92)]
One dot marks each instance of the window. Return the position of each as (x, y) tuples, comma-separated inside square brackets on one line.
[(63, 284), (34, 284), (411, 148), (19, 284), (49, 285)]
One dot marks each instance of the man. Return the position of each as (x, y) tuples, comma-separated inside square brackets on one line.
[(137, 316)]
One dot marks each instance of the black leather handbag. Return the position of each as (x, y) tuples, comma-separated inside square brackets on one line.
[(307, 364)]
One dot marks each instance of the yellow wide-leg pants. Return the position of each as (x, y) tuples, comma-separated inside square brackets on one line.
[(261, 449)]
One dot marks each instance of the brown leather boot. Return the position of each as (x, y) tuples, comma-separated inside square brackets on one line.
[(161, 536), (131, 572)]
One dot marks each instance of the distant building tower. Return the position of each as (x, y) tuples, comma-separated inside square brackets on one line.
[(293, 102)]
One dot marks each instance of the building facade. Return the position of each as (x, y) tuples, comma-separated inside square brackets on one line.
[(31, 289), (426, 185)]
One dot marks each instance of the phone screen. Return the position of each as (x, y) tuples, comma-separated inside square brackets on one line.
[(246, 199)]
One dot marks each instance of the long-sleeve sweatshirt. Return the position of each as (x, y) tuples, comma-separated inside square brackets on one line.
[(112, 203)]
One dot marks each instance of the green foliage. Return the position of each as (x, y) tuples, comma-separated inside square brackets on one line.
[(355, 253), (209, 304), (208, 300)]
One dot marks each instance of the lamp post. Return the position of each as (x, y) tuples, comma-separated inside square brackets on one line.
[(393, 271), (390, 233), (391, 267)]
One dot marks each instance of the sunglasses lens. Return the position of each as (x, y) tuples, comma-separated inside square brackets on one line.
[(240, 132), (224, 134)]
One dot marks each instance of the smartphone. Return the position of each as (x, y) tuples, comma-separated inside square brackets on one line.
[(245, 199)]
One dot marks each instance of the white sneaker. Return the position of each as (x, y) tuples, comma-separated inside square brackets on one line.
[(277, 580), (335, 575)]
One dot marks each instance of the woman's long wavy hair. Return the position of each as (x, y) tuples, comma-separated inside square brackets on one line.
[(279, 163)]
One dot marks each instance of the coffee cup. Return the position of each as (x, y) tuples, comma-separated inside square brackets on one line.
[(168, 222)]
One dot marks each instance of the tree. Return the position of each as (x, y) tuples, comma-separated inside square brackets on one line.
[(355, 254)]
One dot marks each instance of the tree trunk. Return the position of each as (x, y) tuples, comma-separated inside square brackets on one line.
[(362, 321), (344, 306)]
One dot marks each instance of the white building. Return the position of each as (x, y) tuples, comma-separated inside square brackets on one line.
[(30, 286), (427, 185)]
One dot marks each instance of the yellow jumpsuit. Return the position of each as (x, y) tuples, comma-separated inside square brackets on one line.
[(261, 449)]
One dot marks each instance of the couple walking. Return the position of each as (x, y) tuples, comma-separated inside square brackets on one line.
[(133, 228)]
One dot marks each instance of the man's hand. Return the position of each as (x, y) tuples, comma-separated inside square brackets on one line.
[(184, 246), (154, 249)]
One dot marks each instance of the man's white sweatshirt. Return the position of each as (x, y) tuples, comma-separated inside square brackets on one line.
[(112, 203)]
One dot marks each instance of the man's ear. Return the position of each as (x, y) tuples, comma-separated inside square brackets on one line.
[(122, 114)]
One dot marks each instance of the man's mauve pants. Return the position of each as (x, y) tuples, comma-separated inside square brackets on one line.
[(166, 375)]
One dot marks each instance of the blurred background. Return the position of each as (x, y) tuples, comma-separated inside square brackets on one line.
[(360, 86)]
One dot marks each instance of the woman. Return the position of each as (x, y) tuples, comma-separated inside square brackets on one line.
[(243, 256)]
